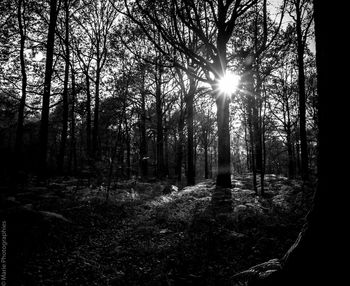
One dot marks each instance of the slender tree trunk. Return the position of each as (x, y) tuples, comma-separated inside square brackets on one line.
[(95, 132), (248, 159), (179, 148), (252, 151), (206, 167), (290, 152), (189, 121), (44, 123), (257, 136), (258, 132), (128, 152), (302, 96), (143, 143), (88, 115), (297, 148), (166, 152), (20, 120), (159, 115), (65, 94), (73, 151), (250, 121)]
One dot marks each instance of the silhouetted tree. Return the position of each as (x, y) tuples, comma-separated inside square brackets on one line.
[(45, 110)]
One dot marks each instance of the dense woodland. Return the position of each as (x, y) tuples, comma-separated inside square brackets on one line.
[(128, 89), (120, 119)]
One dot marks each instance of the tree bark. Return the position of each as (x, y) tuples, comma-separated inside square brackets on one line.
[(20, 120), (65, 94), (44, 123), (166, 149), (95, 131), (302, 94), (258, 123), (223, 120), (252, 124), (143, 141), (180, 145), (314, 257), (73, 151), (224, 163), (128, 150), (189, 121), (159, 115), (88, 115), (206, 166)]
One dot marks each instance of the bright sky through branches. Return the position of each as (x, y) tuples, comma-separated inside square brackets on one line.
[(229, 83)]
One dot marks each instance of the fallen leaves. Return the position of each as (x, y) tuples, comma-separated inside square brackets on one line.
[(154, 233)]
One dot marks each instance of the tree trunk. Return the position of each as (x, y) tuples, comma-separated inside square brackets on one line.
[(179, 146), (166, 151), (20, 120), (159, 115), (314, 257), (222, 197), (65, 94), (288, 129), (252, 151), (248, 159), (44, 123), (95, 132), (88, 115), (73, 151), (252, 122), (189, 121), (258, 132), (224, 165), (143, 143), (302, 96), (128, 152), (206, 167), (291, 164)]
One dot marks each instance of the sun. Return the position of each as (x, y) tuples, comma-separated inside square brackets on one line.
[(228, 84)]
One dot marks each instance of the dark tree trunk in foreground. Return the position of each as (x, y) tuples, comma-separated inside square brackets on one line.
[(314, 259), (44, 123), (20, 120)]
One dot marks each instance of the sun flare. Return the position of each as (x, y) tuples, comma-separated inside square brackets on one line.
[(229, 83)]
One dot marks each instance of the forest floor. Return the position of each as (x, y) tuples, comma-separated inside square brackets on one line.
[(65, 233)]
